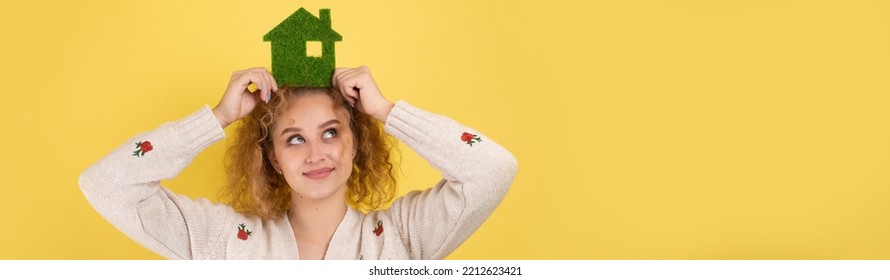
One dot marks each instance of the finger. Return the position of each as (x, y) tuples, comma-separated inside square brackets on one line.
[(263, 84), (354, 82), (339, 71), (242, 83), (236, 75), (265, 95), (348, 93), (335, 80), (274, 82), (344, 80), (341, 75), (267, 81), (260, 84), (347, 87)]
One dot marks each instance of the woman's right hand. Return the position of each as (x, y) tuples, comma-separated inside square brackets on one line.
[(238, 101)]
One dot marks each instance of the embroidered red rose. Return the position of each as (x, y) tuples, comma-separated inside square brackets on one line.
[(466, 137), (146, 146), (470, 138), (379, 229), (142, 148), (243, 233)]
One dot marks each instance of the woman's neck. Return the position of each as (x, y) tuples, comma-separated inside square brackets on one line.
[(314, 214), (315, 221)]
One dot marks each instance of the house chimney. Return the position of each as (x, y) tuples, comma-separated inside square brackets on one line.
[(325, 16)]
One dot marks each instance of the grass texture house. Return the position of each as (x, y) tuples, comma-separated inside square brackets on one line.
[(303, 49)]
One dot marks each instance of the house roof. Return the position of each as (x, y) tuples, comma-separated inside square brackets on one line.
[(303, 26)]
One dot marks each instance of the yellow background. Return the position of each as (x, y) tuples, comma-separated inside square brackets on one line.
[(644, 129)]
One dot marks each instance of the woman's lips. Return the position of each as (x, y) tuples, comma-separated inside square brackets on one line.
[(319, 173)]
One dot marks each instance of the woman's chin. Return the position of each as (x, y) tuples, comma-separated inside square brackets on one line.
[(317, 192)]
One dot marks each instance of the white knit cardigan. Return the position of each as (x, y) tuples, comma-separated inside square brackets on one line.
[(125, 188)]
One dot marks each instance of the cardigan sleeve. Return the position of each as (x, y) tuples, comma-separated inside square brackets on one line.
[(476, 171), (124, 187)]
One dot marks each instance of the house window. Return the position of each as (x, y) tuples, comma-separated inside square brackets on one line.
[(313, 48)]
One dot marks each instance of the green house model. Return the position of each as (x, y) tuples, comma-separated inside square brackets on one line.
[(303, 49)]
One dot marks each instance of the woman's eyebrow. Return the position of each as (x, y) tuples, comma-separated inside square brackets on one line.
[(297, 129), (330, 122)]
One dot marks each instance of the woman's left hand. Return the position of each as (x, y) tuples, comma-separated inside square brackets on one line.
[(360, 90)]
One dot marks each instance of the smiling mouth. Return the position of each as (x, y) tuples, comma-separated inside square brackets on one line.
[(319, 173)]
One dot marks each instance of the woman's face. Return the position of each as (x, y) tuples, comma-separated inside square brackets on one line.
[(313, 147)]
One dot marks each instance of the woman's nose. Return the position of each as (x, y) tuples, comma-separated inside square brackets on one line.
[(316, 153)]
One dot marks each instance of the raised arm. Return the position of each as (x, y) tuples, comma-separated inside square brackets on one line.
[(476, 171), (125, 188)]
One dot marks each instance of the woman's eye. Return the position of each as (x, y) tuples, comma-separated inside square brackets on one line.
[(330, 133), (297, 139)]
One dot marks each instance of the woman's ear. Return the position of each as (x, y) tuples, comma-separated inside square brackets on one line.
[(273, 160), (354, 148)]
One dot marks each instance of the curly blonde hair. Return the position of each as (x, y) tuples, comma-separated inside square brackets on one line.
[(254, 187)]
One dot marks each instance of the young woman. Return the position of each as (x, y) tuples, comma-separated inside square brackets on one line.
[(304, 162)]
